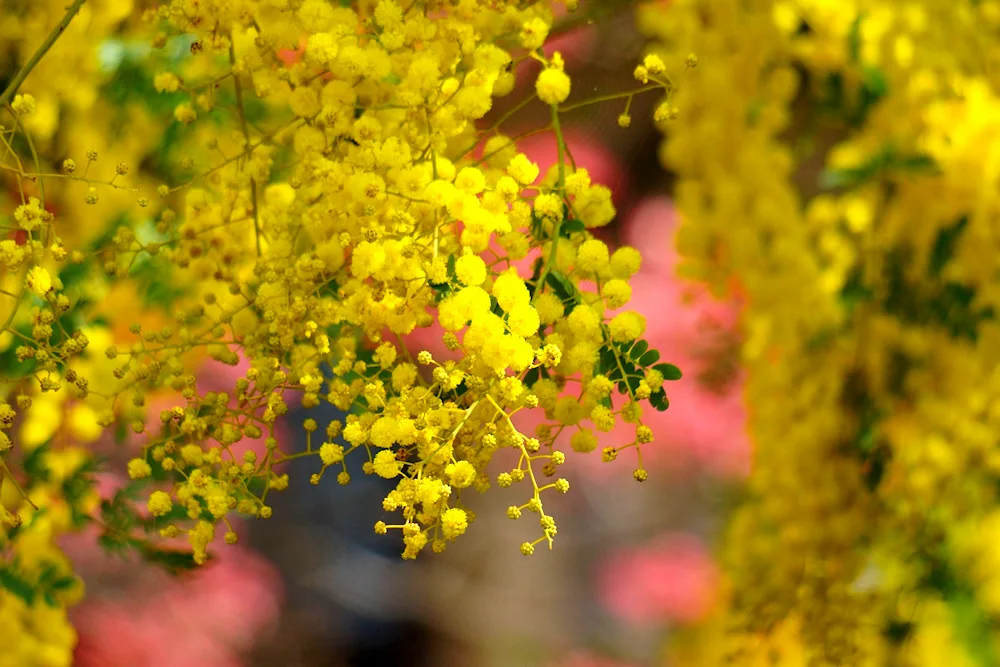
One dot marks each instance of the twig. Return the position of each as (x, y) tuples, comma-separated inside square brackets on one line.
[(6, 473), (246, 136), (19, 78)]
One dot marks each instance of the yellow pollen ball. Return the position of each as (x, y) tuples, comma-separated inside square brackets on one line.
[(552, 85)]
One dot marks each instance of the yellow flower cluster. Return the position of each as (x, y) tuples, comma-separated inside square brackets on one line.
[(336, 193), (37, 576), (384, 224), (870, 337)]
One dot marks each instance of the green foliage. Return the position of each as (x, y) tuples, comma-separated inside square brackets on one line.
[(44, 586), (154, 278), (931, 302), (174, 561), (947, 304), (626, 364), (854, 106), (570, 227), (971, 625), (944, 246), (887, 162), (124, 528)]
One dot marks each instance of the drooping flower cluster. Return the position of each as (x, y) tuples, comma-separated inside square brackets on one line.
[(313, 184), (870, 291)]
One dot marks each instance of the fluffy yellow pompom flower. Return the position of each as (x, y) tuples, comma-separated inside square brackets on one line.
[(592, 257), (533, 33), (549, 206), (159, 503), (185, 113), (470, 180), (552, 85), (454, 521), (549, 306), (388, 13), (510, 291), (23, 105), (331, 454), (523, 320), (321, 48), (522, 170), (139, 469), (461, 474), (386, 464), (578, 182), (471, 270), (616, 293), (627, 327), (625, 262), (583, 441), (39, 281), (28, 215), (200, 537), (166, 82)]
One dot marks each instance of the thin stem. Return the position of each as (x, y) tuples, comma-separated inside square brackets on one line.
[(17, 303), (34, 153), (513, 142), (607, 98), (249, 150), (560, 148), (503, 119), (246, 136), (19, 78), (6, 473)]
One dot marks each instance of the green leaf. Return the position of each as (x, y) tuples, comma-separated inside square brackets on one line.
[(650, 358), (531, 377), (569, 227), (441, 291), (34, 463), (638, 349), (174, 561), (606, 360), (495, 307), (915, 163), (15, 584), (973, 628), (853, 107), (10, 365), (854, 291), (658, 399), (63, 583), (875, 84), (944, 246), (886, 161), (156, 283), (875, 466), (897, 631), (564, 289), (669, 372), (854, 38)]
